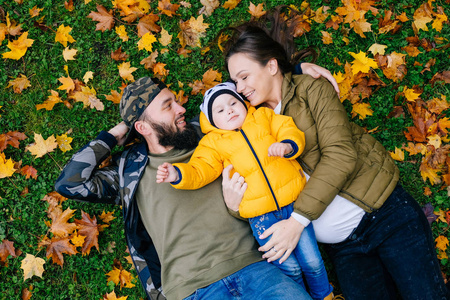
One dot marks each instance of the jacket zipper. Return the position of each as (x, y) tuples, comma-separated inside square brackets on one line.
[(260, 166)]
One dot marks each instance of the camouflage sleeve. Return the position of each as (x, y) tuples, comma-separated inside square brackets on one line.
[(81, 178)]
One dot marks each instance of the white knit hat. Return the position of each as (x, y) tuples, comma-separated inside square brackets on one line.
[(213, 93)]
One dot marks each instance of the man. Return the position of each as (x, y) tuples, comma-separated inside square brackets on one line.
[(203, 250)]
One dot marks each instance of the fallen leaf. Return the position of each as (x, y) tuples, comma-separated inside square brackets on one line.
[(119, 55), (35, 11), (114, 97), (231, 4), (125, 71), (165, 38), (148, 24), (32, 266), (167, 8), (40, 147), (88, 76), (107, 217), (11, 138), (50, 102), (64, 142), (120, 276), (104, 18), (146, 42), (377, 49), (362, 63), (69, 5), (69, 54), (6, 249), (18, 47), (19, 84), (398, 154), (326, 38), (6, 166), (208, 6), (112, 296), (88, 227), (63, 36), (362, 110), (29, 171), (256, 11), (122, 33), (60, 226), (26, 294), (59, 246), (77, 240), (191, 32), (441, 242), (67, 84)]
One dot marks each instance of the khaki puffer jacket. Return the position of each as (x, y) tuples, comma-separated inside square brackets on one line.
[(273, 182), (340, 156)]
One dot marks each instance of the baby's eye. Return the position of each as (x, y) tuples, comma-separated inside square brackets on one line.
[(221, 110), (233, 103)]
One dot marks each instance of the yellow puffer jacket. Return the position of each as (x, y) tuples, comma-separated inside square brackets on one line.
[(273, 182)]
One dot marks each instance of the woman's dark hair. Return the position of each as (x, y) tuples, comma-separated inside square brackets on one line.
[(270, 37)]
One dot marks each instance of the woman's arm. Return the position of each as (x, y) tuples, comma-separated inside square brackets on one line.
[(316, 72)]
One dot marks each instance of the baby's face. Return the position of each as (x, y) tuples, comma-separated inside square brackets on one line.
[(228, 112)]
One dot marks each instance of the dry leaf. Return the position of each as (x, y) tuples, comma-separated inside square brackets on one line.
[(104, 18), (50, 102), (88, 227), (40, 147), (19, 84), (32, 266), (18, 47), (69, 54), (63, 36), (125, 71), (256, 11)]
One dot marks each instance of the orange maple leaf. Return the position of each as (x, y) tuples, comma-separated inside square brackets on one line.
[(327, 38), (40, 147), (50, 102), (88, 227), (58, 246), (231, 4), (114, 97), (60, 226), (256, 11), (168, 8), (104, 18), (67, 84), (159, 69), (112, 296), (107, 217), (120, 276), (428, 172), (441, 242), (19, 84), (11, 138), (29, 171)]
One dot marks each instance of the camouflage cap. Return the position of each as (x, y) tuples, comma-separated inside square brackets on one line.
[(136, 98)]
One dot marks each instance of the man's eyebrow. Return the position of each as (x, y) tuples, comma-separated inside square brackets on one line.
[(164, 102)]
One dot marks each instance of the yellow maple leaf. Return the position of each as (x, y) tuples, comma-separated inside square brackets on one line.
[(113, 275), (63, 36), (377, 49), (146, 42), (410, 94), (434, 140), (77, 240), (50, 102), (69, 54), (430, 173), (31, 266), (403, 18), (88, 76), (440, 215), (165, 38), (442, 255), (35, 11), (67, 84), (6, 166), (421, 22), (360, 26), (112, 296), (19, 84), (125, 71), (441, 242), (122, 32), (64, 142), (18, 47), (362, 110), (437, 23), (230, 4), (362, 63), (160, 70), (40, 147), (327, 38), (107, 217), (89, 98), (114, 97), (398, 154)]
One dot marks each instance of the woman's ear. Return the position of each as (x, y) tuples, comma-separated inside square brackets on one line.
[(272, 64)]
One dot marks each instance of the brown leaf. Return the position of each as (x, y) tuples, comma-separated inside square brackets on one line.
[(167, 8), (11, 138), (26, 294), (88, 227), (148, 24), (104, 18), (6, 249), (29, 171), (19, 84), (256, 11), (118, 55), (107, 217), (208, 6), (59, 246), (444, 76), (69, 5), (60, 226), (150, 60)]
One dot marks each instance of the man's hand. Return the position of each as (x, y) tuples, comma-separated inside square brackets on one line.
[(280, 149), (317, 71), (285, 237), (119, 132), (166, 173), (233, 188)]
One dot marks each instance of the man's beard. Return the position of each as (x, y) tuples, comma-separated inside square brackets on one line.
[(174, 137)]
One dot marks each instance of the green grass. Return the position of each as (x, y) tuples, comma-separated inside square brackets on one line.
[(22, 217)]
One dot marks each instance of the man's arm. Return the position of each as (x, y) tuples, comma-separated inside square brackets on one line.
[(81, 178)]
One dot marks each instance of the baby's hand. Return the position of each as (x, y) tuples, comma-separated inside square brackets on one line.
[(280, 149), (166, 173)]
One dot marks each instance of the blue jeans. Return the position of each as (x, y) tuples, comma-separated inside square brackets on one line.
[(391, 250), (304, 260), (256, 281)]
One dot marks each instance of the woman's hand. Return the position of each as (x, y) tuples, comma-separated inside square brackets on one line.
[(317, 71), (233, 188), (285, 237), (119, 132)]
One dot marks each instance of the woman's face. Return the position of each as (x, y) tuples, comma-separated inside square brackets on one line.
[(254, 81)]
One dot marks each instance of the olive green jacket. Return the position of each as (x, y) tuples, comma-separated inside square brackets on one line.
[(340, 156)]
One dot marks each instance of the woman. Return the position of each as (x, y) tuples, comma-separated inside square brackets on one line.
[(377, 235)]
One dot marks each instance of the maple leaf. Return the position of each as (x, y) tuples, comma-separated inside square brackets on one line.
[(88, 227), (114, 97), (120, 276), (11, 138), (77, 240), (119, 55), (26, 294), (361, 26), (231, 4), (327, 38), (444, 76), (88, 76), (398, 154), (54, 199), (35, 11), (148, 24), (321, 14), (29, 171), (434, 140), (6, 166), (6, 249), (63, 36), (165, 38), (208, 6), (410, 94), (122, 33), (440, 216), (112, 296), (414, 149), (377, 49), (441, 242), (107, 217), (167, 8), (60, 226), (159, 69), (146, 42), (18, 47), (395, 69), (50, 102), (40, 147), (88, 97), (256, 11), (362, 110), (362, 63), (421, 22), (429, 173), (191, 32), (403, 18), (181, 99), (57, 247), (19, 84), (32, 266), (69, 54), (125, 71), (67, 84), (437, 23), (104, 18), (412, 51), (64, 142)]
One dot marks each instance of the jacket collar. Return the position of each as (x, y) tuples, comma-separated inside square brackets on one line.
[(287, 91)]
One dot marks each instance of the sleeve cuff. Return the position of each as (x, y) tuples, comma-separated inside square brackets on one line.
[(294, 148), (179, 176), (301, 219), (108, 138), (298, 69)]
